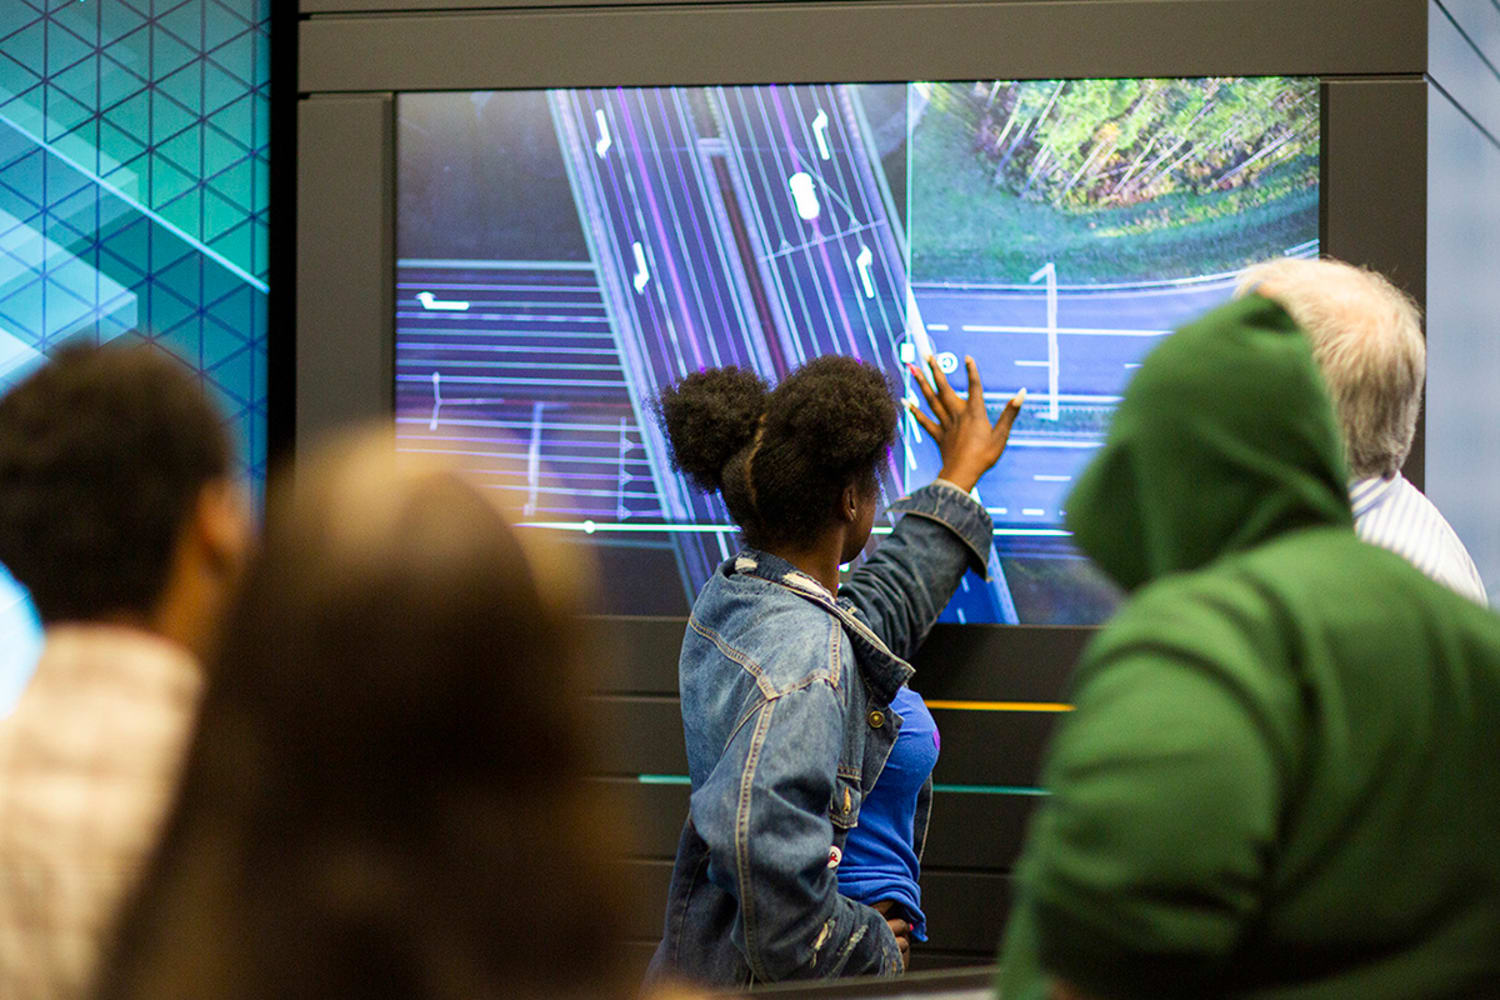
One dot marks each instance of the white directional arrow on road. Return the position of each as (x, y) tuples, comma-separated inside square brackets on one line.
[(1049, 271), (865, 262), (604, 142), (642, 272), (432, 302), (820, 133)]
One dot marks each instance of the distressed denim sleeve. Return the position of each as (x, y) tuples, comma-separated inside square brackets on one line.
[(905, 584), (769, 836)]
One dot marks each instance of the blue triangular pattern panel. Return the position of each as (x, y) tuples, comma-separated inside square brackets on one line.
[(155, 120)]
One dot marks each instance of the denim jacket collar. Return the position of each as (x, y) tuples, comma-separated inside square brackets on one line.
[(884, 671)]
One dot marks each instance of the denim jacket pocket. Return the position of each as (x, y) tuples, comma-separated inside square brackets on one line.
[(843, 809)]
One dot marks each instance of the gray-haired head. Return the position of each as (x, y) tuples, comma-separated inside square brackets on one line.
[(1367, 337)]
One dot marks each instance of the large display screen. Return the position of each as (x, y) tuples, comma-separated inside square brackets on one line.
[(565, 254)]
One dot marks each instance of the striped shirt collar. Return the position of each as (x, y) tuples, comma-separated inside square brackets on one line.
[(1367, 494)]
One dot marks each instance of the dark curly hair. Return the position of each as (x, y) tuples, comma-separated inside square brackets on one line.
[(781, 457), (103, 453)]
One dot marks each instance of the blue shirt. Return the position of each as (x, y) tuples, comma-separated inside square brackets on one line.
[(1395, 515), (880, 856)]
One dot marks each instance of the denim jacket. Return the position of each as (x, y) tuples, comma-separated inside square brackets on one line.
[(785, 695)]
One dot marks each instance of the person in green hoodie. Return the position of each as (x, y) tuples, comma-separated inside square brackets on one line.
[(1282, 777)]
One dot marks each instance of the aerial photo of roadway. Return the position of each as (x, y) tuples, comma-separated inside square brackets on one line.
[(563, 255)]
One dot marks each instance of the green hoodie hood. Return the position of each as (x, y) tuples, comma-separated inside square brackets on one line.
[(1225, 439)]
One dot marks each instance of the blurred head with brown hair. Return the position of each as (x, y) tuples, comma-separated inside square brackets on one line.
[(384, 797)]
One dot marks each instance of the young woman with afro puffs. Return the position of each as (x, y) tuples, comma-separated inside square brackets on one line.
[(809, 757)]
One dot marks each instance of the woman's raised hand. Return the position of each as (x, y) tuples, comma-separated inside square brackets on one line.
[(967, 441)]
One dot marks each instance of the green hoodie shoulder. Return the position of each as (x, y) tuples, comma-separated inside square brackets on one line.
[(1282, 768)]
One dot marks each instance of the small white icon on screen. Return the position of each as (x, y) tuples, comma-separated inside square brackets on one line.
[(804, 195), (433, 303), (642, 272)]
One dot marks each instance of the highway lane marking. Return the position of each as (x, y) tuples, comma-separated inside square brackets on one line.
[(1044, 443), (937, 326), (1031, 293), (1033, 511), (1030, 532), (828, 238), (496, 317), (1034, 364), (1066, 397), (1193, 284), (1073, 331), (1052, 479), (495, 265)]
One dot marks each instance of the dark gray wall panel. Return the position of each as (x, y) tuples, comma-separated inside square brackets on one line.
[(992, 748), (345, 262), (979, 965), (979, 831), (965, 911), (970, 830), (656, 813), (638, 655), (391, 6), (871, 41), (1375, 177), (998, 663), (643, 735), (1375, 189)]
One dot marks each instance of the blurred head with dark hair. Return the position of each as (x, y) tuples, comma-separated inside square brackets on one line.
[(115, 496), (384, 797)]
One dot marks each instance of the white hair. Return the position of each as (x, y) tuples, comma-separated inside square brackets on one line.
[(1366, 335)]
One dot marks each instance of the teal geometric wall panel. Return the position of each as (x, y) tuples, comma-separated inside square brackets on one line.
[(134, 142), (134, 179)]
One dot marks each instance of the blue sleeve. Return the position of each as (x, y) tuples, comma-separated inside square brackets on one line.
[(902, 587), (764, 816)]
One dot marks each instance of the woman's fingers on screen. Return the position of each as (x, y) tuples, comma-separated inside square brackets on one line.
[(928, 394), (951, 401), (928, 424), (1008, 416), (976, 388)]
